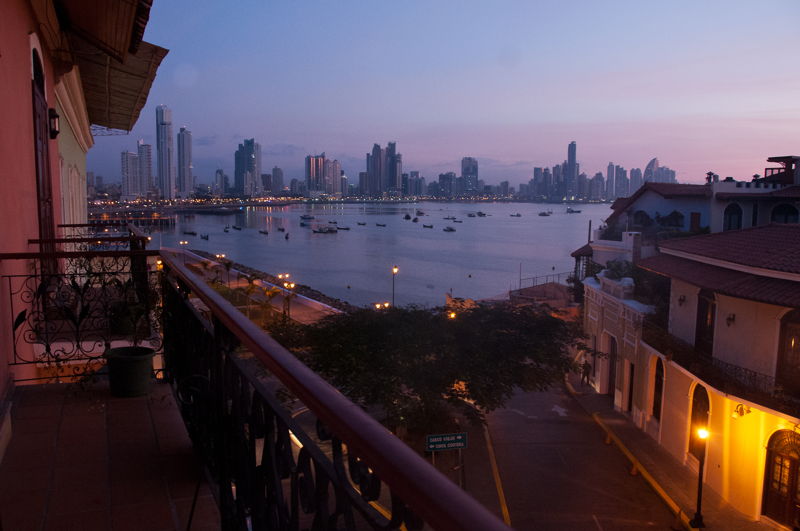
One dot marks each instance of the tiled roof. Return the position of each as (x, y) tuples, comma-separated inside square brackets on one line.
[(585, 250), (667, 190), (726, 281), (775, 246)]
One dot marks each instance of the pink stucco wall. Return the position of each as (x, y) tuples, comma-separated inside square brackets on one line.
[(18, 202)]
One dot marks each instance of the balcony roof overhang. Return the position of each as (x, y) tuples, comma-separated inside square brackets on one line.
[(116, 91), (725, 281)]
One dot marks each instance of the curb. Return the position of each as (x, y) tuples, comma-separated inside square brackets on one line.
[(637, 468)]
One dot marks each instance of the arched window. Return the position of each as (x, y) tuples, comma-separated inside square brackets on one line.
[(788, 373), (699, 419), (781, 490), (732, 219), (784, 213), (642, 219), (658, 389)]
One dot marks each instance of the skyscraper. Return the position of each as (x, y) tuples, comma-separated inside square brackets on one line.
[(636, 180), (610, 182), (277, 180), (131, 183), (571, 174), (247, 168), (376, 171), (469, 171), (393, 168), (165, 149), (185, 177), (650, 171), (315, 174), (145, 153)]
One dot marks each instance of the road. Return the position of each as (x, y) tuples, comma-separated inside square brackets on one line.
[(557, 472)]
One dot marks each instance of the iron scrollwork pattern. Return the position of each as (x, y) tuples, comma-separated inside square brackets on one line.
[(75, 315), (274, 465)]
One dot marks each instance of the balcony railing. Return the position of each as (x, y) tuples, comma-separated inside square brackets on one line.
[(726, 377), (239, 393)]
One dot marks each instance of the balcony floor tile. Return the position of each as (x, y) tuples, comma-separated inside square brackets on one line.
[(81, 459)]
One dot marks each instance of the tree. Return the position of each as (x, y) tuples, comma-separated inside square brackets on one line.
[(418, 367)]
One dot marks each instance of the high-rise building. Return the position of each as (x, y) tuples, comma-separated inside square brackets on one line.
[(636, 181), (376, 171), (447, 184), (331, 176), (571, 173), (393, 168), (277, 180), (220, 183), (363, 180), (247, 168), (469, 171), (650, 171), (610, 182), (145, 154), (165, 153), (131, 183), (622, 184), (315, 174), (185, 177)]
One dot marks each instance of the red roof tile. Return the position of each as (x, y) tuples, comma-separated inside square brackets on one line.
[(726, 281), (775, 246)]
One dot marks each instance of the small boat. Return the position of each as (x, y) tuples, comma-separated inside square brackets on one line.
[(450, 218), (361, 222), (343, 228), (407, 217), (380, 224), (287, 236), (190, 232), (420, 213), (427, 226), (543, 213), (306, 216), (204, 236), (281, 229), (333, 222), (236, 228), (303, 224), (571, 210), (264, 232), (449, 229), (458, 221), (415, 220), (470, 215), (481, 214), (517, 215), (226, 229), (325, 230), (227, 226)]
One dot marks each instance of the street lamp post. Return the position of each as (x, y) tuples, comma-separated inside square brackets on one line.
[(395, 270), (183, 243), (697, 520), (288, 286)]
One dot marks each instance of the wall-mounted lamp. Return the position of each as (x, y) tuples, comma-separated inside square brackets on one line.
[(740, 411), (730, 319), (681, 300), (53, 121)]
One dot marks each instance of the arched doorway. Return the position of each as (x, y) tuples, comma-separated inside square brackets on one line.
[(784, 213), (732, 218), (781, 496), (788, 373), (699, 419)]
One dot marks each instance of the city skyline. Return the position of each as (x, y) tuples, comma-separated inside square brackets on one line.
[(712, 101)]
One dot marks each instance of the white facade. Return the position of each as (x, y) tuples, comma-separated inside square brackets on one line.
[(165, 164)]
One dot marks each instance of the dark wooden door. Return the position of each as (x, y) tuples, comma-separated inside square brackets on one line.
[(781, 497)]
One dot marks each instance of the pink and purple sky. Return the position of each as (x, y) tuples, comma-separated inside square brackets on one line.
[(710, 85)]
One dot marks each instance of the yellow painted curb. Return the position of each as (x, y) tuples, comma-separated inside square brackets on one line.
[(676, 510), (501, 495)]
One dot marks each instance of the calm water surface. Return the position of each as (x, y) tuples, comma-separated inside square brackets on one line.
[(480, 260)]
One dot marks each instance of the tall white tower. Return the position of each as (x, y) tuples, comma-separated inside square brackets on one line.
[(165, 150)]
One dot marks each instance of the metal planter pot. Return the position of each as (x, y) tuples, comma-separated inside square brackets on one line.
[(130, 370)]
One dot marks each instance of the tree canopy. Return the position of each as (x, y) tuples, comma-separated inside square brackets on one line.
[(418, 365)]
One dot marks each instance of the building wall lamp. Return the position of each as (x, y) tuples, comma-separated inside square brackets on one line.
[(681, 300), (730, 319), (53, 122), (740, 411)]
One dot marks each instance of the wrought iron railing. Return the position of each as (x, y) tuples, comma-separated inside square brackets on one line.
[(556, 278), (729, 378), (238, 389), (64, 321)]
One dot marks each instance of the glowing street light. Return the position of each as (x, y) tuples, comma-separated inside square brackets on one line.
[(395, 270), (451, 315), (287, 298), (183, 243), (697, 521)]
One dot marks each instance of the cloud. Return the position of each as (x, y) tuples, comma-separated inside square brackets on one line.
[(205, 140), (282, 150)]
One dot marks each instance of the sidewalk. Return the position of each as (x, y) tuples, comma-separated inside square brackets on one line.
[(676, 480)]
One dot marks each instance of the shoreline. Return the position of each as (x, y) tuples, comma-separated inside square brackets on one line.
[(300, 289)]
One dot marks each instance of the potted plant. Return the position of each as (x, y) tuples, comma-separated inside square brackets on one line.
[(130, 368)]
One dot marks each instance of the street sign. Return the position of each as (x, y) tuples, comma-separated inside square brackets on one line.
[(445, 441)]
